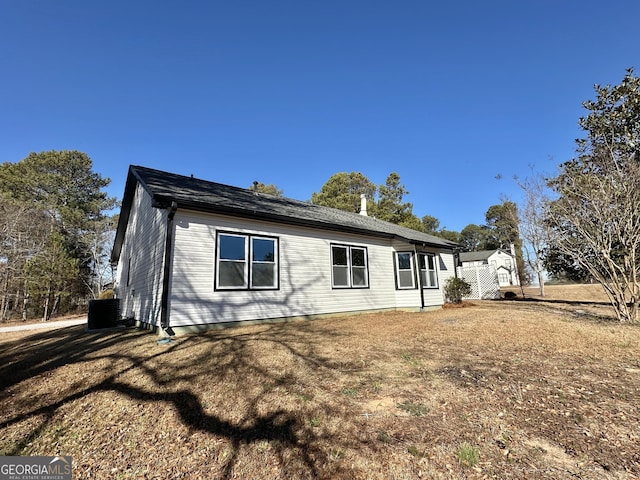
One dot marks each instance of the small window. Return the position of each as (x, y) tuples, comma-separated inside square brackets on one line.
[(404, 270), (235, 271), (349, 267), (507, 262), (428, 273)]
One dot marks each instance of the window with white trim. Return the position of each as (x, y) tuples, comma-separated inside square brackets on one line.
[(349, 268), (246, 262), (405, 279), (428, 272)]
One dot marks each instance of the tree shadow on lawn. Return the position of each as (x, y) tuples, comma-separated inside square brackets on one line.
[(169, 376)]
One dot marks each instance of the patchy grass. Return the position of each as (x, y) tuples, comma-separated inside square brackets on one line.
[(468, 455), (534, 388), (415, 409)]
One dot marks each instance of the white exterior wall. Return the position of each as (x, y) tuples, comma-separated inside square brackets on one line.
[(445, 266), (477, 263), (139, 271), (304, 268), (507, 262), (446, 270), (502, 263)]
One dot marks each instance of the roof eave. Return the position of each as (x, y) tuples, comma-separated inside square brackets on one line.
[(162, 201), (133, 179), (450, 246)]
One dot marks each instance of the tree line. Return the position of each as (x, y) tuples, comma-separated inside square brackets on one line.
[(55, 234), (582, 223), (386, 202)]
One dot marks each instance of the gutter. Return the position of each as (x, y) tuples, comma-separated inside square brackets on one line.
[(417, 262), (456, 261), (168, 248)]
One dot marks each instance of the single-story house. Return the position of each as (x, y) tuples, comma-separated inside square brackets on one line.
[(503, 262), (192, 254)]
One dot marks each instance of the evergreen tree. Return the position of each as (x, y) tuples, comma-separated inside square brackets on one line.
[(390, 206), (474, 238), (66, 200), (270, 189), (502, 223), (343, 190)]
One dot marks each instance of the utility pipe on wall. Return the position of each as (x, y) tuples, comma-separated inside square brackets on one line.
[(168, 250)]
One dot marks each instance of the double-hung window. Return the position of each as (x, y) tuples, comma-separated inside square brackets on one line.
[(246, 262), (405, 278), (349, 267), (428, 273)]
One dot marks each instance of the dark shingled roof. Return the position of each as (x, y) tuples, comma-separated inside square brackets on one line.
[(201, 195), (477, 256)]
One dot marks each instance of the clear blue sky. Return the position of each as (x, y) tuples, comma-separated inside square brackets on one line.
[(447, 94)]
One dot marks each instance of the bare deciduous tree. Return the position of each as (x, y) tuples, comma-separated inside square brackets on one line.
[(533, 228), (596, 220), (99, 242), (23, 233)]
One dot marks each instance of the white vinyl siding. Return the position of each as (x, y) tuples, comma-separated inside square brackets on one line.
[(304, 262), (502, 263), (140, 267), (305, 277), (405, 277)]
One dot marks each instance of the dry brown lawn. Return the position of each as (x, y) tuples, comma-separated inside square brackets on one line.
[(534, 389), (588, 294)]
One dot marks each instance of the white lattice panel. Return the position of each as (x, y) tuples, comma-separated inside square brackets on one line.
[(483, 280)]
